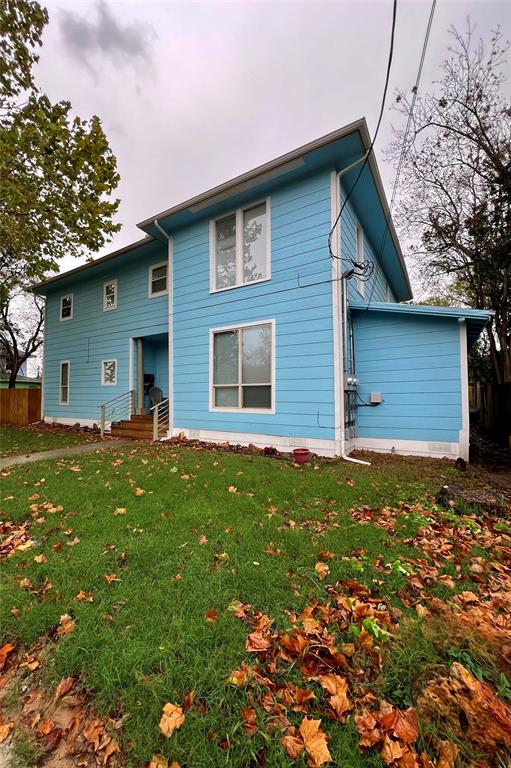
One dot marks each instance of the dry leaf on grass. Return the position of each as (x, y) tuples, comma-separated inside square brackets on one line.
[(64, 687), (211, 615), (293, 744), (40, 559), (314, 740), (172, 718), (66, 625), (337, 687), (4, 652), (5, 730), (120, 511), (322, 570), (139, 491), (84, 597)]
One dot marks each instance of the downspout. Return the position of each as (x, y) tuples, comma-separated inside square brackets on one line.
[(344, 312), (170, 289)]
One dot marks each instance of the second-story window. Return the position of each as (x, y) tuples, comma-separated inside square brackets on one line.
[(110, 295), (66, 307), (158, 279), (240, 247)]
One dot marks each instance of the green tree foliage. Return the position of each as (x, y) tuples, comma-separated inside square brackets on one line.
[(57, 171), (455, 191)]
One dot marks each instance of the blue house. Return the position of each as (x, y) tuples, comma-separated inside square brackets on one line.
[(233, 320)]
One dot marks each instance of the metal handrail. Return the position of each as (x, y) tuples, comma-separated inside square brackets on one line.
[(161, 417), (125, 405)]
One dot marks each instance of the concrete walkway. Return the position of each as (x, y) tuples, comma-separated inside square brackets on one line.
[(58, 453)]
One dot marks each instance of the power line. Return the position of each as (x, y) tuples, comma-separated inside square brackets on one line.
[(368, 153), (402, 154)]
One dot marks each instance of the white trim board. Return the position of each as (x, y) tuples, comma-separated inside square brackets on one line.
[(432, 449), (280, 442), (464, 448)]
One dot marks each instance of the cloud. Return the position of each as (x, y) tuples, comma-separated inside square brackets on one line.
[(104, 35)]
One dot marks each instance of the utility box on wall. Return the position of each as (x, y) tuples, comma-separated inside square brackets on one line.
[(375, 398)]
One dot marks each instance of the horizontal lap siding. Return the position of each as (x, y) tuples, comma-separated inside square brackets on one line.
[(375, 289), (300, 222), (93, 335), (415, 364)]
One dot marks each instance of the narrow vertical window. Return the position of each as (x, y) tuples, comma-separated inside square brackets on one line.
[(225, 246), (108, 372), (158, 279), (110, 295), (360, 258), (242, 368), (240, 247), (64, 382), (66, 307)]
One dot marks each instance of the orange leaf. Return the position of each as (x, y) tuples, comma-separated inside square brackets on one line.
[(293, 746), (158, 761), (84, 597), (314, 740), (64, 687), (5, 731), (40, 559), (256, 642), (404, 725), (211, 615), (66, 625), (172, 718), (139, 491), (4, 652), (338, 688), (239, 676), (111, 578), (110, 748), (249, 720), (322, 570)]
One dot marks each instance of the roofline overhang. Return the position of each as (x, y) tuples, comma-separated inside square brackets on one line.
[(430, 310), (264, 172), (90, 264)]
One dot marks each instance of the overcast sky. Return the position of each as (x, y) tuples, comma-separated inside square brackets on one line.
[(191, 94)]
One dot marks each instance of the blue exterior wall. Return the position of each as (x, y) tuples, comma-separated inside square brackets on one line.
[(377, 288), (300, 223), (94, 335), (415, 363)]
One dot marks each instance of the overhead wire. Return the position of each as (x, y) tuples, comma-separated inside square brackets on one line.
[(368, 153), (402, 154)]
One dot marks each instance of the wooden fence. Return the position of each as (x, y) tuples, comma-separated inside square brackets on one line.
[(19, 407), (490, 406)]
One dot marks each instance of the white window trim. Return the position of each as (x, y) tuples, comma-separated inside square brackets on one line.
[(114, 306), (108, 383), (67, 296), (65, 402), (360, 246), (236, 327), (159, 293), (239, 247)]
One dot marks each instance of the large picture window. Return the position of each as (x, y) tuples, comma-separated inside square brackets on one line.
[(243, 363), (64, 383), (240, 247)]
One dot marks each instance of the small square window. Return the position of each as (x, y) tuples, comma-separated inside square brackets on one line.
[(108, 373), (66, 307), (158, 279), (110, 295)]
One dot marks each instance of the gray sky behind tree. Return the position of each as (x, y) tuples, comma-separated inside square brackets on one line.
[(192, 94)]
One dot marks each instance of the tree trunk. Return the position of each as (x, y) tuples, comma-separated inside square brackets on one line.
[(12, 377)]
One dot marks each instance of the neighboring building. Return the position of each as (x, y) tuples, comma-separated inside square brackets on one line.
[(233, 307), (5, 365), (22, 382)]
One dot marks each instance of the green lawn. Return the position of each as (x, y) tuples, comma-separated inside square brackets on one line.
[(195, 540), (15, 441)]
